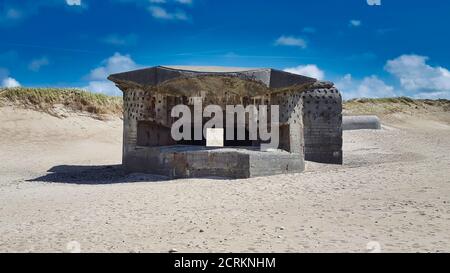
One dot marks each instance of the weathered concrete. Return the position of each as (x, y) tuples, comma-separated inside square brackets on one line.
[(310, 119), (157, 75), (361, 122), (198, 161), (322, 121)]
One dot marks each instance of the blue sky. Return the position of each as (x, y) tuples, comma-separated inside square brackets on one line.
[(393, 49)]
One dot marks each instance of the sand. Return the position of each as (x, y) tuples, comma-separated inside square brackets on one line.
[(60, 181)]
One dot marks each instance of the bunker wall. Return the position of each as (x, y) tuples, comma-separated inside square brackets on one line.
[(322, 119)]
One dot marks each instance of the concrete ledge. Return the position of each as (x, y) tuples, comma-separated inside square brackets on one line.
[(360, 123), (198, 161)]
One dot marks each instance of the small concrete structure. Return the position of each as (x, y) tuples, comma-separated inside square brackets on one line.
[(360, 123), (310, 121)]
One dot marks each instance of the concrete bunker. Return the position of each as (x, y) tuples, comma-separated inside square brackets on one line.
[(350, 123), (310, 121)]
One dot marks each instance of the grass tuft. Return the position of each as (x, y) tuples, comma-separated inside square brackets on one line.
[(44, 99), (394, 105)]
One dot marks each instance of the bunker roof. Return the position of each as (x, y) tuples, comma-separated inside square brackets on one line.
[(155, 76)]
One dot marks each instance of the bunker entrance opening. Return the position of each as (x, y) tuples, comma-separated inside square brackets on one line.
[(150, 134)]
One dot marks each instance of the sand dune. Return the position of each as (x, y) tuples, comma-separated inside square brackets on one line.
[(60, 181)]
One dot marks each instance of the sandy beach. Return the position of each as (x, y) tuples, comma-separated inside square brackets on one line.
[(61, 181)]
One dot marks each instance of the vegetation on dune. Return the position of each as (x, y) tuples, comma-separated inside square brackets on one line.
[(384, 106), (404, 100), (400, 100), (45, 99)]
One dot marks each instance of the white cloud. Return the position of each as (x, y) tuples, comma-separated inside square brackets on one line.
[(73, 2), (417, 79), (37, 64), (355, 23), (7, 81), (114, 64), (291, 41), (10, 83), (310, 70), (416, 75), (164, 10), (369, 87), (104, 87), (433, 95), (161, 13)]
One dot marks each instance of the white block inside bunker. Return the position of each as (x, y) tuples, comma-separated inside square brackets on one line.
[(215, 137)]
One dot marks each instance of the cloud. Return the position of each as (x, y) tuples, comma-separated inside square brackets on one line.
[(164, 10), (114, 64), (10, 83), (104, 87), (291, 41), (355, 23), (368, 87), (13, 11), (37, 64), (119, 40), (6, 81), (416, 75), (73, 2), (433, 95), (310, 70), (161, 13)]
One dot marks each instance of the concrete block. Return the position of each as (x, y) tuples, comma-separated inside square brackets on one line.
[(361, 122), (215, 137)]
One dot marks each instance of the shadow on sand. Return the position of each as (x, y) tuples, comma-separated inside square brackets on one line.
[(94, 175)]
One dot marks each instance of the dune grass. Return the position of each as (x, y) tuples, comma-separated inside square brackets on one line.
[(395, 105), (44, 99), (400, 100), (404, 100)]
